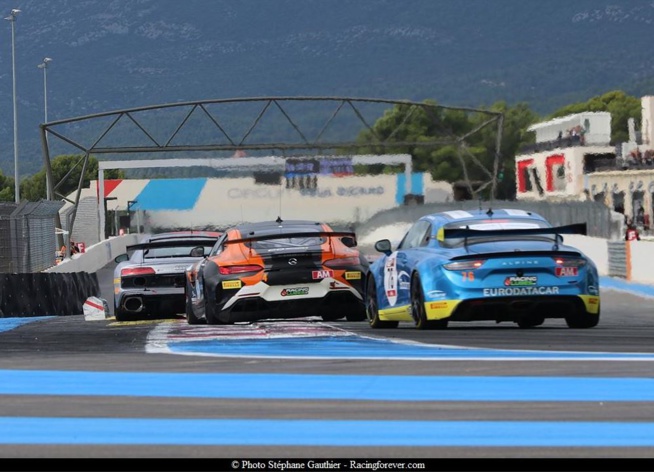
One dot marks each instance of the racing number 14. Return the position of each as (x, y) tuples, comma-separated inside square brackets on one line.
[(468, 276)]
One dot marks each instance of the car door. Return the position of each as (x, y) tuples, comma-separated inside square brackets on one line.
[(399, 266)]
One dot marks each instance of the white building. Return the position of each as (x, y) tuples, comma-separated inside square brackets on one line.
[(564, 165), (566, 149)]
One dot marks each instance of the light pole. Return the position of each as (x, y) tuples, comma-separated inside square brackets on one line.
[(44, 66), (12, 19)]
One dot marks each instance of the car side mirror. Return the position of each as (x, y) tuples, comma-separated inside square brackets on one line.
[(349, 241), (121, 258), (197, 251), (383, 245)]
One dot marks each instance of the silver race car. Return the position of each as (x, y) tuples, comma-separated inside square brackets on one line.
[(149, 279)]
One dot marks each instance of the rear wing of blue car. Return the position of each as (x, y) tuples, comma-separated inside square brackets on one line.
[(466, 233)]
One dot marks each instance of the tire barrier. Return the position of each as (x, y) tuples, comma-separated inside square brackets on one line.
[(46, 294)]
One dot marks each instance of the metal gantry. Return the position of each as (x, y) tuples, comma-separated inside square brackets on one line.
[(303, 135)]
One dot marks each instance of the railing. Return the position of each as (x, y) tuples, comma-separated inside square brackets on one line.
[(568, 141), (609, 164)]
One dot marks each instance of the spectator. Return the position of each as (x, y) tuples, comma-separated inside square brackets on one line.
[(640, 216), (648, 157), (632, 233)]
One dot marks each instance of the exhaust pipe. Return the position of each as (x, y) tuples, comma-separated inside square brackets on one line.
[(133, 304)]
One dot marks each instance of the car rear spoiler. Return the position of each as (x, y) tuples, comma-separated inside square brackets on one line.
[(196, 241), (577, 228), (299, 234)]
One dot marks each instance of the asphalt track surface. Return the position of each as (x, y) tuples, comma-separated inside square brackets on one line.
[(310, 390)]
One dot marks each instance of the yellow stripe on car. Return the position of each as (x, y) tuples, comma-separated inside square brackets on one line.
[(397, 313), (592, 303)]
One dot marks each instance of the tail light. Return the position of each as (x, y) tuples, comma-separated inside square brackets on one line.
[(343, 262), (132, 271), (464, 265), (569, 261), (239, 269)]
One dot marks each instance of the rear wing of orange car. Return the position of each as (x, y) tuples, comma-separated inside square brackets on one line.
[(298, 234)]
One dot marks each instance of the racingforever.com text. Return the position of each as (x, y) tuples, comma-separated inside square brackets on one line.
[(326, 464)]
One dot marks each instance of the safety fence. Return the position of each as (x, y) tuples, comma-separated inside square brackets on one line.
[(28, 242)]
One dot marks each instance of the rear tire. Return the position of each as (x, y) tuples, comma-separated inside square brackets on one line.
[(122, 315), (190, 316), (583, 320), (530, 322), (356, 315), (372, 309), (418, 307)]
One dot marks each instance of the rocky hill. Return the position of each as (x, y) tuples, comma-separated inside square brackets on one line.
[(114, 54)]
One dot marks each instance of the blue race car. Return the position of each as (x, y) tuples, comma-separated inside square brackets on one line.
[(500, 265)]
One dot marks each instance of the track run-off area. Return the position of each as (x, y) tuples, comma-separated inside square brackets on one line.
[(314, 389)]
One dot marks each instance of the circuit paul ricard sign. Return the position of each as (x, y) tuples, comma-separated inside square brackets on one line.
[(319, 188)]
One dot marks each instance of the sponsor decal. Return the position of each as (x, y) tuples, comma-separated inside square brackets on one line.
[(567, 271), (232, 284), (515, 291), (592, 290), (520, 281), (391, 279), (321, 274), (336, 285), (593, 301), (521, 262), (353, 276), (405, 285), (294, 291), (436, 294), (117, 281), (438, 305)]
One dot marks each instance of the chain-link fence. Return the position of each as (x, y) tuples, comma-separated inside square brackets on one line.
[(27, 236)]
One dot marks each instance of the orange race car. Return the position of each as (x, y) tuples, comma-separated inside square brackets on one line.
[(278, 269)]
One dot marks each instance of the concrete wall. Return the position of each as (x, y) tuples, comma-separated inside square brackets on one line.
[(640, 261), (96, 256), (640, 254)]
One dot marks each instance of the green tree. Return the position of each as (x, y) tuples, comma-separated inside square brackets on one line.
[(68, 167), (7, 193), (514, 136), (443, 159)]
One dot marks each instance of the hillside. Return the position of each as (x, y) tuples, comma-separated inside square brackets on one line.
[(114, 54)]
